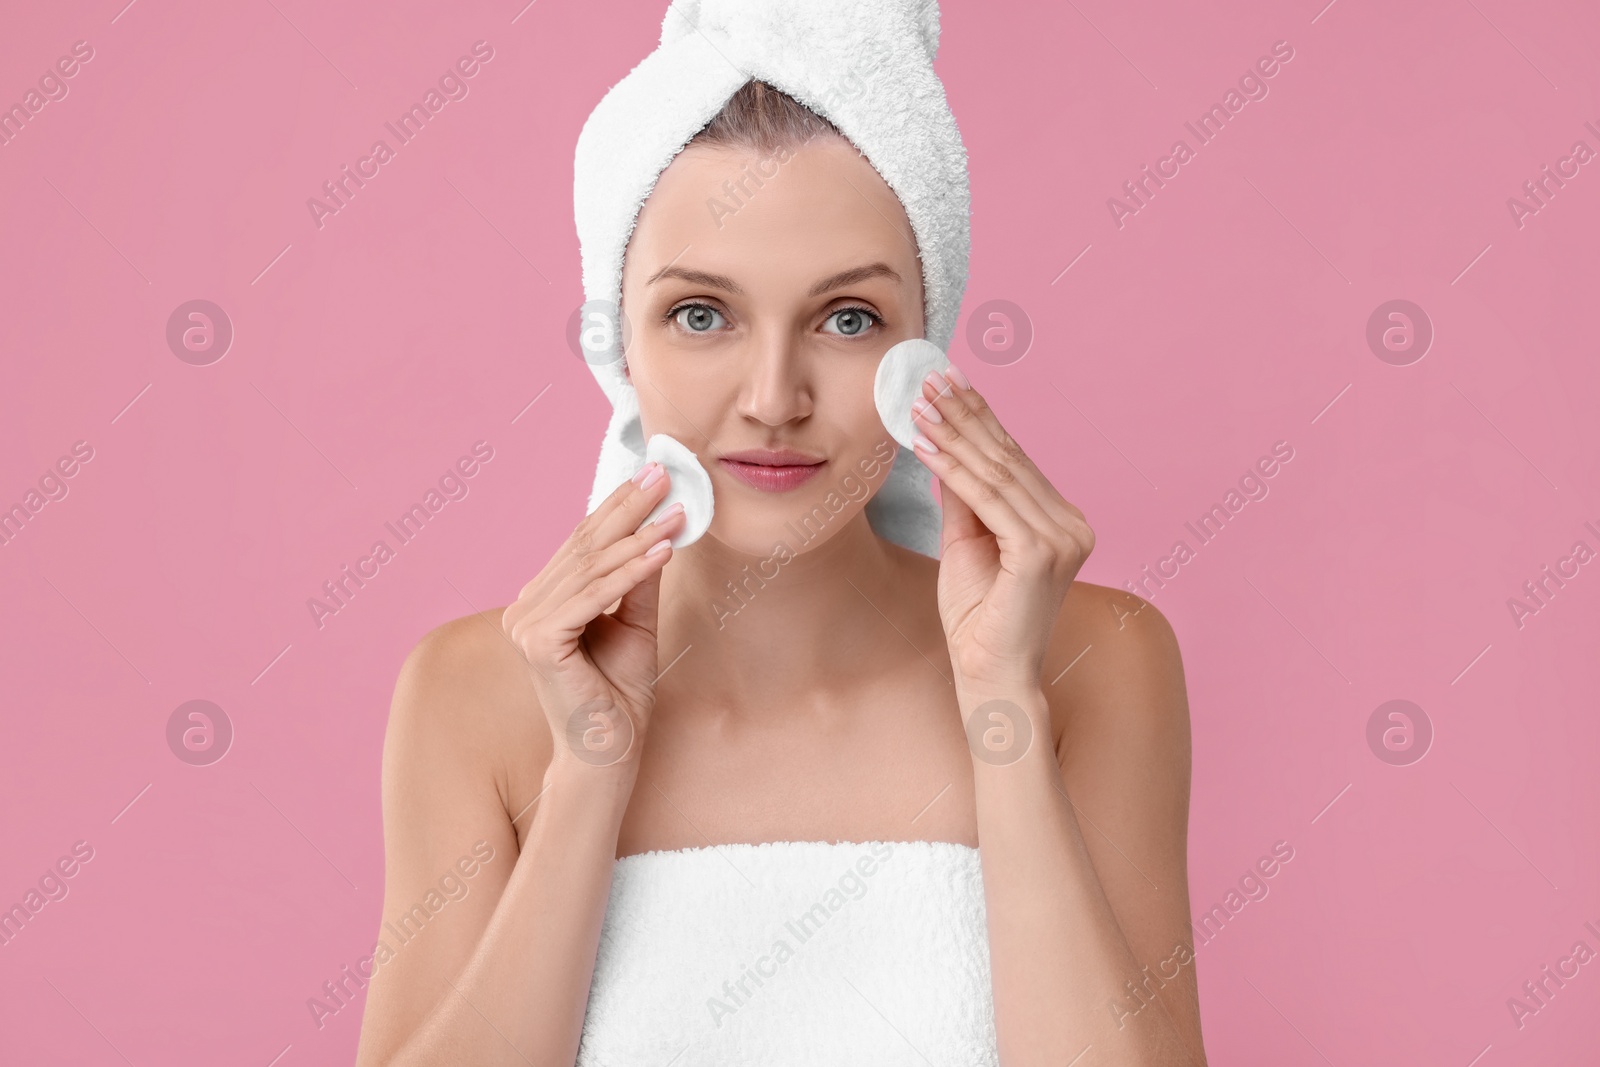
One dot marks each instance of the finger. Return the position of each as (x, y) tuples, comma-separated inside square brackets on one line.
[(623, 511), (570, 566), (582, 570), (959, 442), (617, 496), (953, 384), (1004, 462), (567, 618), (617, 516), (1059, 530), (985, 500), (1006, 446), (630, 512), (637, 608), (1006, 465), (960, 521)]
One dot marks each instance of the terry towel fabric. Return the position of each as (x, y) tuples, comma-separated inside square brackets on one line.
[(794, 952), (867, 68)]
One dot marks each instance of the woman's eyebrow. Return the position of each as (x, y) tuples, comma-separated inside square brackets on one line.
[(697, 277), (728, 285), (852, 276)]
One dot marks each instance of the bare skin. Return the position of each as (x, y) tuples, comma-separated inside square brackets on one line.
[(829, 707)]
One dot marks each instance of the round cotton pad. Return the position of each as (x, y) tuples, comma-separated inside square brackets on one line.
[(899, 382), (689, 484)]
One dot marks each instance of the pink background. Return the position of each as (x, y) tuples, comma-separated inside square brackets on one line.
[(1228, 314)]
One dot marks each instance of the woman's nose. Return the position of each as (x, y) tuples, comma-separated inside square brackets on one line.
[(776, 388)]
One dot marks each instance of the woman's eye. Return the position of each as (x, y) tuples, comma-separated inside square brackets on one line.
[(697, 318), (852, 321)]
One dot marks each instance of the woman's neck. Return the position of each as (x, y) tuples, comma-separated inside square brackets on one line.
[(755, 631)]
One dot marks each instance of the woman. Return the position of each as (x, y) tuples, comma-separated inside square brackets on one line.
[(658, 715)]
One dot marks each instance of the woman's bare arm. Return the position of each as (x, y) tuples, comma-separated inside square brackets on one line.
[(501, 976), (1064, 940), (1125, 756), (1083, 853)]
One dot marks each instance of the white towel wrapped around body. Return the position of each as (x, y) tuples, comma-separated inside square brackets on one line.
[(794, 952)]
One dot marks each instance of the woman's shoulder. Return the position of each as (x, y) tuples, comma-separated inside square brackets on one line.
[(1103, 634), (1089, 612), (473, 659), (1113, 657), (1100, 610), (1113, 668), (463, 702)]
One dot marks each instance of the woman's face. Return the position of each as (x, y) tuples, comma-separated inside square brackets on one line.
[(758, 316)]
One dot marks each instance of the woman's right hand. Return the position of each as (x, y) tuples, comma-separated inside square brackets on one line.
[(594, 673)]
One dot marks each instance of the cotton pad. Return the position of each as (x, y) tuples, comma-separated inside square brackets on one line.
[(688, 484), (899, 382)]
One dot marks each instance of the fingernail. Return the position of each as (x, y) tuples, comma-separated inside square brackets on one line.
[(920, 442), (659, 547), (936, 380), (670, 513), (921, 407), (653, 477), (955, 375), (642, 473)]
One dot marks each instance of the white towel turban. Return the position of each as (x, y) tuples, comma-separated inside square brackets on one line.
[(865, 67)]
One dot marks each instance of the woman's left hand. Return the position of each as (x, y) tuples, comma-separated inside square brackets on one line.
[(1011, 544)]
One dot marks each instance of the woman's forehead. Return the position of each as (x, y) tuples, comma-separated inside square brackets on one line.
[(821, 203)]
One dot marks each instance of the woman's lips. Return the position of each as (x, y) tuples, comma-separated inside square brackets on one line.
[(778, 479)]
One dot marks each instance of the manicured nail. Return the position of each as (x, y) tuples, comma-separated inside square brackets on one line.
[(653, 477), (936, 380), (921, 407), (642, 473), (659, 547), (955, 375), (920, 442), (669, 514)]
